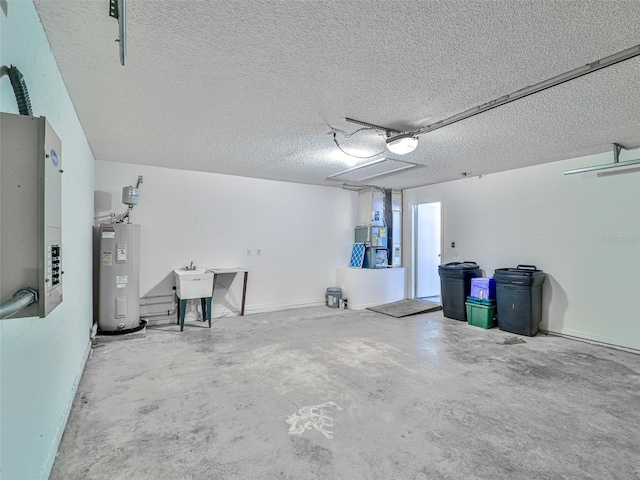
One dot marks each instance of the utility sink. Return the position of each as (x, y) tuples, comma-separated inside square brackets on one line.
[(196, 283)]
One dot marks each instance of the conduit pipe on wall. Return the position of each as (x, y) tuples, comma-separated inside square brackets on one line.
[(146, 304), (157, 296), (168, 313), (20, 91), (21, 299)]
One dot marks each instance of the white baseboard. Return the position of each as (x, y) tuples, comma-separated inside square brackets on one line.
[(593, 339), (362, 307), (266, 308)]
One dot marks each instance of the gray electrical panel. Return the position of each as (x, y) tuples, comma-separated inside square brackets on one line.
[(30, 211)]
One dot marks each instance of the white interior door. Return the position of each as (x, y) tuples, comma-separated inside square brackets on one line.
[(427, 243)]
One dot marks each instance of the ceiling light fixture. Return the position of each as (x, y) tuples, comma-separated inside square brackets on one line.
[(402, 144), (398, 142)]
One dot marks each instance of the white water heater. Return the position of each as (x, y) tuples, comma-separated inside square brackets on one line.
[(119, 287)]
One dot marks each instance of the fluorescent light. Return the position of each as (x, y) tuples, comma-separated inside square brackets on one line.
[(402, 144), (373, 169)]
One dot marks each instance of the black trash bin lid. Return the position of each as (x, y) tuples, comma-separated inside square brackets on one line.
[(466, 265), (520, 270)]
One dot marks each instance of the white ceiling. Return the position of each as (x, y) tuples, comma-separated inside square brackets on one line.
[(253, 88)]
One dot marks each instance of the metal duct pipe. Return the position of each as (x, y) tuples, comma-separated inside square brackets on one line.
[(21, 299)]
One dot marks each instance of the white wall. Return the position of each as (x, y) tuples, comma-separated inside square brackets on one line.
[(41, 359), (304, 232), (582, 230)]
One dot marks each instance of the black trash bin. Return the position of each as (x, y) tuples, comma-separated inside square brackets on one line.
[(519, 299), (455, 287)]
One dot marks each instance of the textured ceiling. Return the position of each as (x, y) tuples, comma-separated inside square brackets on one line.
[(254, 88)]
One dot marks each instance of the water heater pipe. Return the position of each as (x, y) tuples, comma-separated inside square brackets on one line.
[(157, 296), (21, 299), (168, 313), (127, 213), (164, 302)]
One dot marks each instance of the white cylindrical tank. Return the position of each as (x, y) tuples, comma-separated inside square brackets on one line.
[(130, 195), (119, 287)]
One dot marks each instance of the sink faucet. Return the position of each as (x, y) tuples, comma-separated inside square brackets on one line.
[(191, 267)]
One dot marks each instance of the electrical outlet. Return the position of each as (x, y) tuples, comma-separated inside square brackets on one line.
[(248, 251), (259, 251)]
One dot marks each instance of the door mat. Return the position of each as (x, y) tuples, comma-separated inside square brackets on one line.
[(407, 307)]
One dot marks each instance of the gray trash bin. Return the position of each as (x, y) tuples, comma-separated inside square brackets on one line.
[(455, 287), (519, 299)]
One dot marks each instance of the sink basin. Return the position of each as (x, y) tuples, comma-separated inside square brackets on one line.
[(193, 283)]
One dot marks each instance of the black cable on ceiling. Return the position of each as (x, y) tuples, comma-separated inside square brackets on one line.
[(335, 140), (348, 135)]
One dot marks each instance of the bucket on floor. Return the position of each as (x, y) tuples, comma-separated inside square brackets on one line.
[(332, 297)]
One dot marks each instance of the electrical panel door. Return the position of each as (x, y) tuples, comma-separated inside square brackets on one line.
[(30, 211)]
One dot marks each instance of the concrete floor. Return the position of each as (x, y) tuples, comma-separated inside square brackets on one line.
[(421, 397)]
